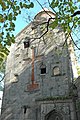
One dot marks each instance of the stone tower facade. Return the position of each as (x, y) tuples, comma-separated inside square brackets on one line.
[(39, 74)]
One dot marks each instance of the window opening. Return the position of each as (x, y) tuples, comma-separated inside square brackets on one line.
[(43, 69), (25, 108), (26, 44), (56, 71)]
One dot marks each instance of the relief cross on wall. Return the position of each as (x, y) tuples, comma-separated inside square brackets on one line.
[(33, 85)]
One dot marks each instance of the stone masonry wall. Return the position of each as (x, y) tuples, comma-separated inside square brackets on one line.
[(20, 103)]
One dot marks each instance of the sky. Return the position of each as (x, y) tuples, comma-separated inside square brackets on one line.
[(22, 20)]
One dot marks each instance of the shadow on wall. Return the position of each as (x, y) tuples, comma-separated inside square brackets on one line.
[(51, 75)]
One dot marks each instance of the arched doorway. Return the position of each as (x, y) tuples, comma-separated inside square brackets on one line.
[(53, 115)]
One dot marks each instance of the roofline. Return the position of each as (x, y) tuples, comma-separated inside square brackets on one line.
[(45, 12), (22, 30), (34, 19)]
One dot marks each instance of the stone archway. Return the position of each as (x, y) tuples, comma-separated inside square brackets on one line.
[(53, 115)]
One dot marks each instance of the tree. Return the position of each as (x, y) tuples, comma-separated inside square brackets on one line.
[(66, 12), (9, 10), (67, 16)]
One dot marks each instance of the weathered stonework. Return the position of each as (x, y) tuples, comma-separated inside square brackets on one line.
[(50, 97)]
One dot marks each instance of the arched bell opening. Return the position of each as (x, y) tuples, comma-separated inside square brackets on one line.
[(54, 115)]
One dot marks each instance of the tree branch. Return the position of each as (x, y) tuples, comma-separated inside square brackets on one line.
[(47, 28), (2, 78), (74, 42), (76, 13), (43, 8), (51, 7)]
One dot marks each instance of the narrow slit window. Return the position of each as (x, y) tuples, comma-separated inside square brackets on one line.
[(25, 109)]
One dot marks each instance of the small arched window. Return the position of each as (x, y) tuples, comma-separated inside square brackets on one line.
[(55, 71), (43, 68)]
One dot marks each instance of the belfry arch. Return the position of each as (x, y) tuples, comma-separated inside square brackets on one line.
[(54, 115)]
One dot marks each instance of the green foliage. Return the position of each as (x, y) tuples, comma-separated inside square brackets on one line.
[(64, 9), (78, 70), (9, 10), (55, 23)]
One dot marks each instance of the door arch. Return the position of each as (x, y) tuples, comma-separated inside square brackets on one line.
[(53, 115)]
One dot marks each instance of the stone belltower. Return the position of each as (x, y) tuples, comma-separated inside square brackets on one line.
[(39, 74)]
